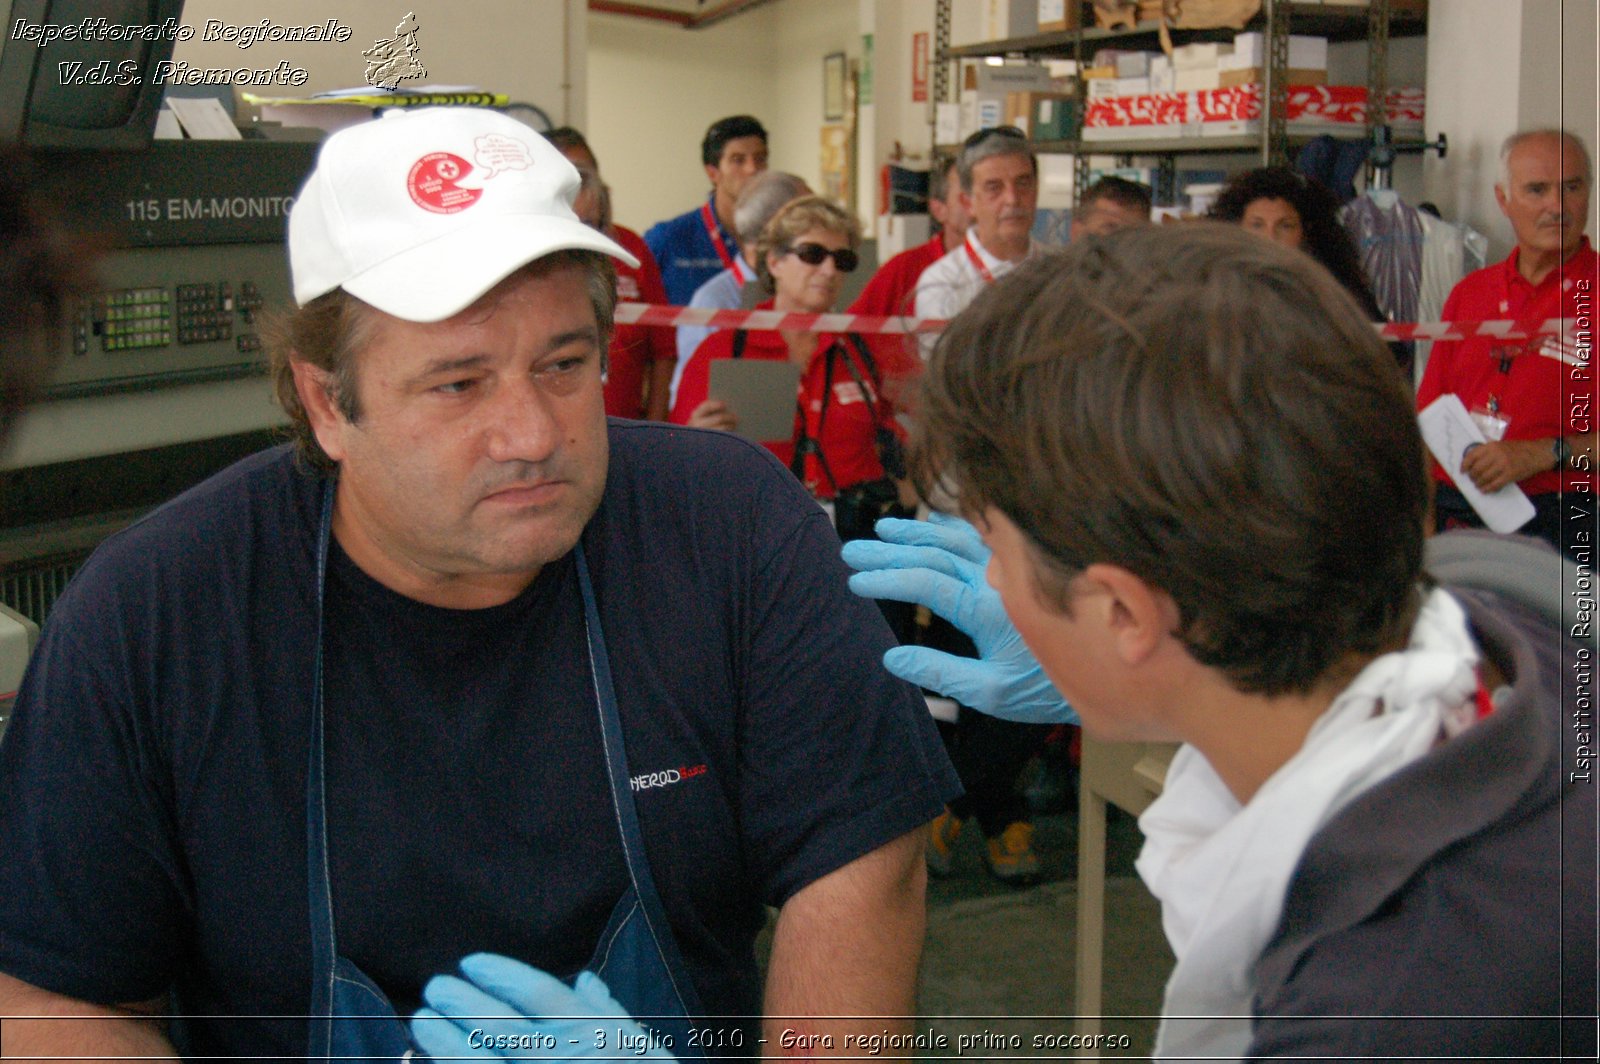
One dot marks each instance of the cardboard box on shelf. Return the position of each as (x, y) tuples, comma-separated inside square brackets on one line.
[(1305, 53), (1057, 15), (1095, 72), (1257, 76), (1009, 18), (1009, 77), (1060, 15)]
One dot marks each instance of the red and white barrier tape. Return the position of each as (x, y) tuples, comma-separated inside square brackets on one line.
[(768, 320)]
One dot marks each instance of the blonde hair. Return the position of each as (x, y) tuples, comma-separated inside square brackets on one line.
[(794, 220)]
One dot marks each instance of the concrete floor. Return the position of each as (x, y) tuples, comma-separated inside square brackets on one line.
[(998, 966)]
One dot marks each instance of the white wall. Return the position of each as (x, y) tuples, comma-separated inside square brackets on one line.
[(654, 87), (896, 117), (510, 46), (1495, 66), (805, 31)]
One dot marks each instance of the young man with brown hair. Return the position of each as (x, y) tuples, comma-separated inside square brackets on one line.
[(1202, 500)]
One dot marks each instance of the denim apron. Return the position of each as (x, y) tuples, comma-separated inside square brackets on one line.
[(637, 956)]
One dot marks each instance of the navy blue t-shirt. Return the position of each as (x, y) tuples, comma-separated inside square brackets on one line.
[(152, 825)]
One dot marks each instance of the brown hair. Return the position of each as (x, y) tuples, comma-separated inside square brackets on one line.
[(797, 218), (332, 329), (1207, 410)]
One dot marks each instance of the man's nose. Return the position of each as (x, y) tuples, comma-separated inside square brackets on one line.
[(521, 425)]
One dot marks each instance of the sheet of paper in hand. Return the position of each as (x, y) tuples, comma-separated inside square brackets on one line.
[(1449, 430)]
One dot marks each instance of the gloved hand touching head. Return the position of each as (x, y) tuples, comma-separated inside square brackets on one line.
[(940, 563), (505, 1010)]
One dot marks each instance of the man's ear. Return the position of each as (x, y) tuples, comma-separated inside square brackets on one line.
[(1501, 198), (314, 388), (712, 173), (1139, 618)]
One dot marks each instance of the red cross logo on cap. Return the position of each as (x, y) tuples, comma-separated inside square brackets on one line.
[(432, 183)]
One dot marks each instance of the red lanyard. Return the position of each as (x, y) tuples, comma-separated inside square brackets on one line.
[(739, 275), (716, 237), (977, 262)]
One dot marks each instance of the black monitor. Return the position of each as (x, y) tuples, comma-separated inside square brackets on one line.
[(81, 73)]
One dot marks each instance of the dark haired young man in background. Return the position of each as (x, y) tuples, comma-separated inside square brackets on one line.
[(700, 243)]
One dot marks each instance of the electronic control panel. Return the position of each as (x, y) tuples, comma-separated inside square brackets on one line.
[(195, 238), (172, 315)]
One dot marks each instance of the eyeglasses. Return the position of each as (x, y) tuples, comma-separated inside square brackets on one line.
[(844, 259), (993, 131)]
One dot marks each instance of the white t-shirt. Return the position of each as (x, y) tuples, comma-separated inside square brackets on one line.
[(950, 284)]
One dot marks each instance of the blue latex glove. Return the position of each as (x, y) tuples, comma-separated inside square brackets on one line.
[(939, 563), (507, 1010)]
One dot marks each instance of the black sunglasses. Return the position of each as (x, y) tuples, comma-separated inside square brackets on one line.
[(813, 255), (993, 131)]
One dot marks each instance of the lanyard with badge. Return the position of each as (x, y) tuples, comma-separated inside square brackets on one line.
[(715, 234), (1490, 415)]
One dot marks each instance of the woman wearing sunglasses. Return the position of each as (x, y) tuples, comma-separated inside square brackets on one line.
[(844, 428)]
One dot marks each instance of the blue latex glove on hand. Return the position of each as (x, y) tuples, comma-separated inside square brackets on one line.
[(506, 1010), (939, 563)]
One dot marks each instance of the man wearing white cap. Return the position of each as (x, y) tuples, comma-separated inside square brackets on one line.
[(344, 717)]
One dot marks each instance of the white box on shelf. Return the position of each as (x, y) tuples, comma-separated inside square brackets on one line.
[(947, 123), (1196, 80), (981, 111), (1133, 65), (1103, 87), (1166, 81), (1198, 56)]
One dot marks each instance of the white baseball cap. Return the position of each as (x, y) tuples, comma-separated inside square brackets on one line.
[(420, 212)]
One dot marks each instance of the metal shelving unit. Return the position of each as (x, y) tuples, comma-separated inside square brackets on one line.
[(1375, 23)]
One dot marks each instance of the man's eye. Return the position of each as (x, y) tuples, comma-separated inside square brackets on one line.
[(566, 365), (453, 387)]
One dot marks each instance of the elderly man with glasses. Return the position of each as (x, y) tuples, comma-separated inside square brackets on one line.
[(999, 176)]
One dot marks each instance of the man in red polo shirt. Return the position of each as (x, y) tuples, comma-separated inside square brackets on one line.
[(892, 289), (1534, 401)]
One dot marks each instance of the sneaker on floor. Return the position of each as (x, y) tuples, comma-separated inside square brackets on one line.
[(1011, 857), (942, 842)]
